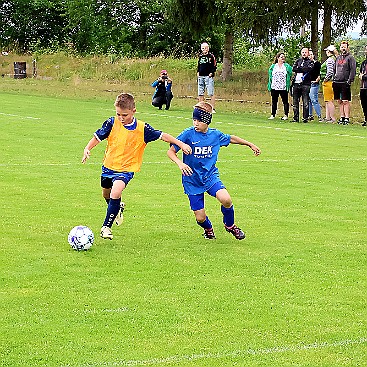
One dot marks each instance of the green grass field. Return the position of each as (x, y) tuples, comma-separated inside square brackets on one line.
[(293, 293)]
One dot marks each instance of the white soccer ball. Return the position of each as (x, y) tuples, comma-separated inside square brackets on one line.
[(81, 238)]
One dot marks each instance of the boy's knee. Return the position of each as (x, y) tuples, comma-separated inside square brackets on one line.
[(200, 217), (227, 203)]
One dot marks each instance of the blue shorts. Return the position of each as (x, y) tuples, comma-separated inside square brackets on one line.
[(197, 201), (108, 176), (205, 82)]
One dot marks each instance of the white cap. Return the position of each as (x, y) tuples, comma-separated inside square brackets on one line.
[(330, 48)]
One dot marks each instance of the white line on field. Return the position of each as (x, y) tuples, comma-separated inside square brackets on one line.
[(263, 126), (252, 160), (230, 354), (20, 117)]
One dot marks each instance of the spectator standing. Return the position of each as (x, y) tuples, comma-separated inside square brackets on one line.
[(302, 84), (326, 74), (163, 91), (344, 74), (279, 82), (363, 90), (314, 90), (207, 66)]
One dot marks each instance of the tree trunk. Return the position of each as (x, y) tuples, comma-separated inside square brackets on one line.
[(227, 56), (315, 28), (326, 29)]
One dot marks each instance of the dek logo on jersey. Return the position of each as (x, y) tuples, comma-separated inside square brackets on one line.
[(201, 152)]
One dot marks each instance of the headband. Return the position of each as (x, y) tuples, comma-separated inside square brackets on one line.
[(202, 116)]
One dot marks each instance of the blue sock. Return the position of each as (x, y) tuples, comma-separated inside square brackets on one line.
[(112, 210), (206, 224), (228, 216)]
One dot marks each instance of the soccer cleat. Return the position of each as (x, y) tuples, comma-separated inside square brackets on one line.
[(213, 111), (341, 121), (209, 234), (364, 123), (106, 233), (237, 232), (120, 217), (271, 117), (346, 121), (285, 117)]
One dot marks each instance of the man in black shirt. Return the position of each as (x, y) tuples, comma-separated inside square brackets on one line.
[(302, 84), (207, 66)]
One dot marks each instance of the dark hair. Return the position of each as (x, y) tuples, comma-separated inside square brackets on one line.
[(277, 56), (345, 43)]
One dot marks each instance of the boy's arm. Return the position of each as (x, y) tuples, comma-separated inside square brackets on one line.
[(237, 140), (170, 139), (172, 155), (92, 143)]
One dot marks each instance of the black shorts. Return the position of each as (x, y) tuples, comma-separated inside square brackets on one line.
[(342, 91)]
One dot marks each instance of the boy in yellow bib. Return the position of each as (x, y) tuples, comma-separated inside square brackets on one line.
[(127, 138)]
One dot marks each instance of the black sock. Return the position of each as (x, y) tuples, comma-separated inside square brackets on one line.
[(112, 210)]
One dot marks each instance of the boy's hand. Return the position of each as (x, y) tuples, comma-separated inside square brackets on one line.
[(185, 169), (186, 149), (255, 149), (86, 155)]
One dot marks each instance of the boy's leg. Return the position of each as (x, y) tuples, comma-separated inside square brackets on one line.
[(113, 208), (106, 193), (197, 206), (228, 213)]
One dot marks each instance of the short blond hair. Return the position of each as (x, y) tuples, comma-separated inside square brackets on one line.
[(125, 101), (205, 106)]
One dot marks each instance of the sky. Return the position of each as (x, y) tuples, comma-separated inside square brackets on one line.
[(354, 32)]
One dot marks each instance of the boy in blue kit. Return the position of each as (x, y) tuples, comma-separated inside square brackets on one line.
[(199, 173), (126, 138)]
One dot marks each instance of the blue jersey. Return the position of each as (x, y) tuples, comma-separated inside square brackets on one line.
[(205, 150)]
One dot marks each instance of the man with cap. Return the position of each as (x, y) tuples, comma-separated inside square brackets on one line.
[(163, 91), (344, 74), (199, 173)]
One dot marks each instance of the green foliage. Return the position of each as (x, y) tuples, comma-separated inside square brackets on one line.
[(249, 56), (24, 24), (292, 46)]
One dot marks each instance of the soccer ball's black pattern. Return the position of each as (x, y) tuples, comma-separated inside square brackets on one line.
[(81, 238)]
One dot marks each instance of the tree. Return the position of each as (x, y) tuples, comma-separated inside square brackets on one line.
[(24, 24)]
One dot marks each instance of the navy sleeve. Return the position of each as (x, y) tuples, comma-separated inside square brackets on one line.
[(105, 130), (150, 134)]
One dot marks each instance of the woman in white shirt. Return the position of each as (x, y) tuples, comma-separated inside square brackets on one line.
[(279, 82)]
